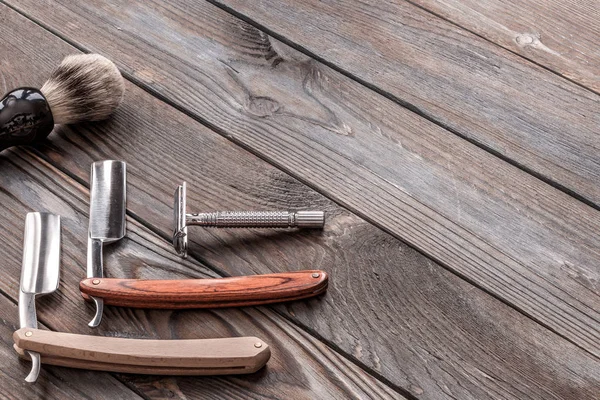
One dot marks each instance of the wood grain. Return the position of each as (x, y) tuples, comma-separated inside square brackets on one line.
[(416, 323), (55, 383), (238, 291), (300, 366), (507, 105), (521, 240), (388, 306), (220, 356), (560, 35)]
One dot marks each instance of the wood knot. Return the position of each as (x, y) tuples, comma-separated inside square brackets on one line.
[(528, 39), (262, 106), (533, 41)]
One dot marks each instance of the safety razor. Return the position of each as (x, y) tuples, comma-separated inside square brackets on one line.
[(235, 219), (107, 224)]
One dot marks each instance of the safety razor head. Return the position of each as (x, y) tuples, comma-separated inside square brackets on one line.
[(180, 238), (235, 219)]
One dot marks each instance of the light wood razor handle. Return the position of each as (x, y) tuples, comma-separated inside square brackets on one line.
[(240, 355), (206, 293)]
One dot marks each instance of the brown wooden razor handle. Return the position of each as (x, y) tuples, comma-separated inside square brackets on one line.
[(206, 293), (240, 355)]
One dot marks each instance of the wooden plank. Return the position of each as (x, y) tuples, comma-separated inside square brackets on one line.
[(445, 337), (51, 382), (508, 106), (560, 35), (388, 307), (518, 238), (300, 366)]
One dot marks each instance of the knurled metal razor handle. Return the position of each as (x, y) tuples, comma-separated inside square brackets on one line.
[(258, 219), (236, 219)]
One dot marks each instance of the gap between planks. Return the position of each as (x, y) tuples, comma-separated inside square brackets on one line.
[(82, 175), (239, 143), (50, 169), (481, 36), (398, 389), (409, 106)]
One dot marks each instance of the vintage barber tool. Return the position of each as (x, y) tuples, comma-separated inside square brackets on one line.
[(235, 219), (107, 224), (40, 275), (85, 87), (108, 188)]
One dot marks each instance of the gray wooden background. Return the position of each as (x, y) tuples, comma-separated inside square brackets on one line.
[(453, 143)]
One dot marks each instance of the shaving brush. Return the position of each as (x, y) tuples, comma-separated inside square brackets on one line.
[(85, 87)]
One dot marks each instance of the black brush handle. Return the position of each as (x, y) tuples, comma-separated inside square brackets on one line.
[(25, 118)]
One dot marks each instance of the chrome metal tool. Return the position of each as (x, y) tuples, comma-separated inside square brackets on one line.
[(40, 275), (235, 219), (39, 272), (107, 224), (107, 218)]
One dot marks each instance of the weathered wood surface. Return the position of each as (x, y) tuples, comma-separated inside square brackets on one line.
[(529, 244), (500, 101), (560, 35), (524, 360), (299, 367), (390, 308)]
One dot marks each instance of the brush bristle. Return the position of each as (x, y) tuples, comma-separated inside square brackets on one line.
[(84, 87)]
